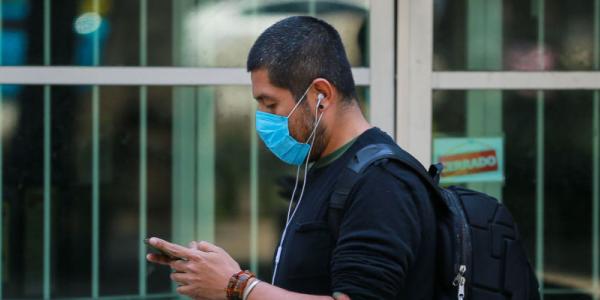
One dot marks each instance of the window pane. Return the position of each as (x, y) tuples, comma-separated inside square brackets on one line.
[(161, 33), (71, 184), (195, 144), (548, 165), (515, 35)]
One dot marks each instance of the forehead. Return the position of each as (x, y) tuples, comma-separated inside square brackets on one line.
[(262, 86), (260, 80)]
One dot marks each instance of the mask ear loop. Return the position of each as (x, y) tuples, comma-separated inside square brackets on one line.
[(298, 103)]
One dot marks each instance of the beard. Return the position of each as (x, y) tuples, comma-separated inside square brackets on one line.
[(306, 127), (318, 145)]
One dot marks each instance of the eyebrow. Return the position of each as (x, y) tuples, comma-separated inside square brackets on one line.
[(262, 97)]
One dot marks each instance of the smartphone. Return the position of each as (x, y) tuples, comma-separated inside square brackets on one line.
[(159, 251)]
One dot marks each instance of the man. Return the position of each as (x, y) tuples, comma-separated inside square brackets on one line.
[(308, 112)]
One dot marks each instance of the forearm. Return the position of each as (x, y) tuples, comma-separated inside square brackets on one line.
[(265, 291)]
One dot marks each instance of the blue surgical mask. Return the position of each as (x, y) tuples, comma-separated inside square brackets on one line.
[(274, 131)]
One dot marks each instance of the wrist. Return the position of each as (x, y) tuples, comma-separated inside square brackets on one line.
[(237, 285), (252, 283)]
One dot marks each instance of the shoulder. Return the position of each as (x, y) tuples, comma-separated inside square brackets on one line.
[(390, 173), (382, 159), (391, 185)]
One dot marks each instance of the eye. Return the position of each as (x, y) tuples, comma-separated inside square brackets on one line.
[(270, 105)]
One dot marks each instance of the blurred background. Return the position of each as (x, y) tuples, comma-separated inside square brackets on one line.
[(92, 165)]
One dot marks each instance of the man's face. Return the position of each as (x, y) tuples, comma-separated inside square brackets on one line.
[(280, 101)]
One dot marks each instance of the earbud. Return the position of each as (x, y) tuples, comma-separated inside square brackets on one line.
[(320, 98)]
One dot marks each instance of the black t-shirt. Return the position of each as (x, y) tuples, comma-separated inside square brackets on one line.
[(386, 244)]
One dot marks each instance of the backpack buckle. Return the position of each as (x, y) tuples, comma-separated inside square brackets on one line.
[(435, 171)]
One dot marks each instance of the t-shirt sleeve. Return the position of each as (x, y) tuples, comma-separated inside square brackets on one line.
[(378, 237)]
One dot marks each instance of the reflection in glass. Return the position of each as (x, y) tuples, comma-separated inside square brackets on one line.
[(179, 33), (515, 35)]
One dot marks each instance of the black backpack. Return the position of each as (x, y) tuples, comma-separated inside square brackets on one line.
[(480, 255)]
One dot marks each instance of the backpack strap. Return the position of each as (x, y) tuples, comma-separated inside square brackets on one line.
[(361, 161)]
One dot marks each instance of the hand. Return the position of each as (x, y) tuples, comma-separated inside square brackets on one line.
[(163, 259), (202, 273)]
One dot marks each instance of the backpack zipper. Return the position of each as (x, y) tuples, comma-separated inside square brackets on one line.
[(464, 241), (460, 281)]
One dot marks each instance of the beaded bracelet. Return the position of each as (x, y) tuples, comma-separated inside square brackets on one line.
[(237, 284), (231, 284)]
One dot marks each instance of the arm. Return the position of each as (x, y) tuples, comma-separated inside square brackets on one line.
[(266, 291), (207, 268), (379, 237)]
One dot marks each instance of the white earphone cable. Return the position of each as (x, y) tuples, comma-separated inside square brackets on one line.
[(310, 140)]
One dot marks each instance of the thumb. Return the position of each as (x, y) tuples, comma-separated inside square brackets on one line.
[(207, 247)]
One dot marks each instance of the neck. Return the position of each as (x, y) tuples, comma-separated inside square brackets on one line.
[(348, 124)]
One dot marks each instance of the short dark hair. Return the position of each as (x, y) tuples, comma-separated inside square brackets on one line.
[(299, 49)]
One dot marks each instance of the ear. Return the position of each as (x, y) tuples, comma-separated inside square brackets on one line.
[(325, 91)]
